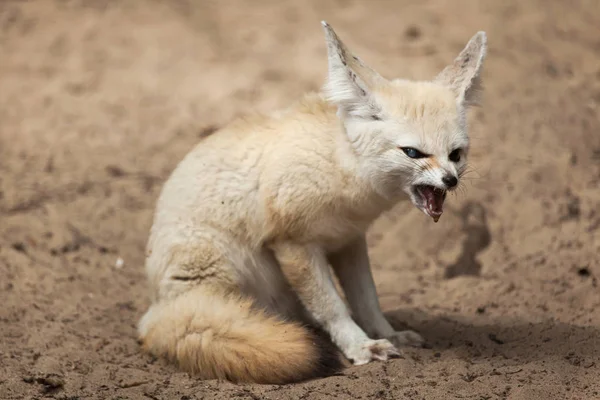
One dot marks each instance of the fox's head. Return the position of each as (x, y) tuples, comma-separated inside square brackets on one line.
[(411, 137)]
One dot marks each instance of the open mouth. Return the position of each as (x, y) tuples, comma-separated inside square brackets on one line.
[(431, 200)]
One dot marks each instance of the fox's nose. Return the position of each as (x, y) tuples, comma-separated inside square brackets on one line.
[(450, 181)]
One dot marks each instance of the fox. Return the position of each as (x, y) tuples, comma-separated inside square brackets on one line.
[(256, 222)]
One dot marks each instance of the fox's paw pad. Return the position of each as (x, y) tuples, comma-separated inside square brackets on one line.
[(407, 338), (371, 350)]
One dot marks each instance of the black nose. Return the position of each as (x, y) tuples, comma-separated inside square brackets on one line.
[(450, 181)]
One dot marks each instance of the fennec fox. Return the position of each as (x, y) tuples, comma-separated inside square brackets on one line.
[(250, 222)]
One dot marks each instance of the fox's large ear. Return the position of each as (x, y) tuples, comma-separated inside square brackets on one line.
[(464, 74), (350, 82)]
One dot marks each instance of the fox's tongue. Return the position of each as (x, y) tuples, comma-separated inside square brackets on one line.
[(434, 199)]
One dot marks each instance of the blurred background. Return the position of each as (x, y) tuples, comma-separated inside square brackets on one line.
[(100, 99)]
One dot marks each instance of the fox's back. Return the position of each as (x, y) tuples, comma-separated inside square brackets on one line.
[(229, 176)]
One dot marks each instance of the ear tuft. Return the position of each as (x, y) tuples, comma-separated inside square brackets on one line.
[(463, 76)]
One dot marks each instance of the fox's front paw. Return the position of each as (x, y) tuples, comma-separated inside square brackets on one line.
[(406, 338), (373, 350)]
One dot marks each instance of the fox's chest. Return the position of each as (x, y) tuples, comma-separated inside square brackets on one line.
[(334, 230), (330, 213)]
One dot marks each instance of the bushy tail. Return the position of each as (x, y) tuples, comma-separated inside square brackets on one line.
[(213, 335)]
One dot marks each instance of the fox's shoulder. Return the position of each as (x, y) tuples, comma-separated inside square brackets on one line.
[(287, 146)]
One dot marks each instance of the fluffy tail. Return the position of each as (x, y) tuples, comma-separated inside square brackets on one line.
[(217, 336)]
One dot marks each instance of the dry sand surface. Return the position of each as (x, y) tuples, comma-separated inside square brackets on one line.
[(100, 99)]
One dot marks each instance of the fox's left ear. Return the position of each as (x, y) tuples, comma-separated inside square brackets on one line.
[(350, 82), (463, 76)]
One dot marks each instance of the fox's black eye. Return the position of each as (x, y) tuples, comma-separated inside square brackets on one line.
[(454, 156), (413, 153)]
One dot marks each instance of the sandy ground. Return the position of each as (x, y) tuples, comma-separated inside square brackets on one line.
[(100, 99)]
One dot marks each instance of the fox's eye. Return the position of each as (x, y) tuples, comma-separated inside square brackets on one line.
[(413, 153), (454, 156)]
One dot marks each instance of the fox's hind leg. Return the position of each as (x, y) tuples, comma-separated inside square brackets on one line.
[(211, 257), (220, 311)]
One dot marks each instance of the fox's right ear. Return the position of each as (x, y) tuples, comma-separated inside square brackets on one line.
[(350, 82), (463, 76)]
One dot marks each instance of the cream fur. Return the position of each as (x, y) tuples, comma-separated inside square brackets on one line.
[(249, 223)]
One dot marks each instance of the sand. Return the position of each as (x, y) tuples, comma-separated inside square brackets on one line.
[(99, 100)]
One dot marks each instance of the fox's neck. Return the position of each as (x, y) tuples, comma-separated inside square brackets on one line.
[(358, 175), (361, 182)]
